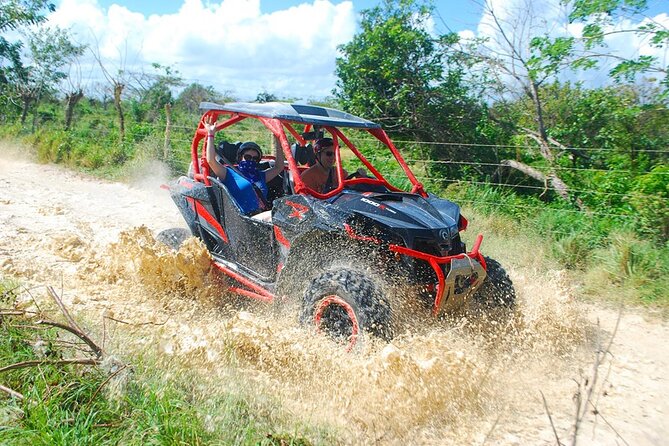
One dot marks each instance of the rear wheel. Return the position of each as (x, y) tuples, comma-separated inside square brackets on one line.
[(173, 237), (346, 304), (497, 290)]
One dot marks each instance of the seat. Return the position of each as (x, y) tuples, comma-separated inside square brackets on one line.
[(304, 157), (227, 151)]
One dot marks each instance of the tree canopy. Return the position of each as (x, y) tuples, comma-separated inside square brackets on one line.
[(399, 72)]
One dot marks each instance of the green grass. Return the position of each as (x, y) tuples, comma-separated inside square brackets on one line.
[(605, 257), (148, 402)]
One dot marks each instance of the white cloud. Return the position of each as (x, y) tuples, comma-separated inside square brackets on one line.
[(234, 46), (229, 44)]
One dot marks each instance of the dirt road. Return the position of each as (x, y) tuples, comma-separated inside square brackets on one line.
[(463, 381)]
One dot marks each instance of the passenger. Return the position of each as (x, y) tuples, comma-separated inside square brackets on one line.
[(322, 176), (247, 184)]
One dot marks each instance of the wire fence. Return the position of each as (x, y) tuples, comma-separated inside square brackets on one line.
[(425, 170)]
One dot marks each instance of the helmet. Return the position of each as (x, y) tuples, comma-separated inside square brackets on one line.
[(248, 145), (322, 143)]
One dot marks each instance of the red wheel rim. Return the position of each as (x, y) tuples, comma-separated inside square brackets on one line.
[(338, 301)]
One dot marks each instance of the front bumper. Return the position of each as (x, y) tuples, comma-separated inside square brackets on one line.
[(458, 276)]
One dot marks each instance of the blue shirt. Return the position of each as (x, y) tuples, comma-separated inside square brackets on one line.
[(242, 190)]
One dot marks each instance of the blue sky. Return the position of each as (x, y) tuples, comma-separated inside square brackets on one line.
[(284, 47), (456, 14)]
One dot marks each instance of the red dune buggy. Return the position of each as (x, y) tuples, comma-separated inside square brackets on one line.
[(338, 255)]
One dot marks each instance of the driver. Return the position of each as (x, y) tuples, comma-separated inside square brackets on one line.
[(322, 176)]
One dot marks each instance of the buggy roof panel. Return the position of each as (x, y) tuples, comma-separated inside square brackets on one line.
[(303, 113)]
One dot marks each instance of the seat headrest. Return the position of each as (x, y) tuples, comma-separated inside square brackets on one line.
[(304, 155), (228, 151)]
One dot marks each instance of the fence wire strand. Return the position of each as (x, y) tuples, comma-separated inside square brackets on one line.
[(177, 140)]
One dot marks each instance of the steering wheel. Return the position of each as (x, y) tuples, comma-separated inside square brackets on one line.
[(355, 174)]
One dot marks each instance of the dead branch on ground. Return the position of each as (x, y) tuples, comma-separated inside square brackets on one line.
[(73, 327), (104, 383), (550, 418), (70, 327), (12, 393), (586, 387), (77, 332), (137, 324), (24, 364)]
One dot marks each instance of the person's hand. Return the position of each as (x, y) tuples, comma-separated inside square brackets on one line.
[(360, 173), (210, 125)]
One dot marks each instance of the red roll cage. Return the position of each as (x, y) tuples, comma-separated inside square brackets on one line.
[(278, 126)]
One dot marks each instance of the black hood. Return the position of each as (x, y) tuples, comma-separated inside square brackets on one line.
[(409, 216)]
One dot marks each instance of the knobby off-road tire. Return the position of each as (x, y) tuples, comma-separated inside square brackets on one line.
[(173, 237), (346, 304), (497, 290)]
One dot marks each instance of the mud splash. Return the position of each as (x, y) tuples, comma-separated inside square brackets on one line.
[(438, 381)]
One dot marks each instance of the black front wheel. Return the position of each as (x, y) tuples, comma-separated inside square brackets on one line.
[(346, 304), (497, 290)]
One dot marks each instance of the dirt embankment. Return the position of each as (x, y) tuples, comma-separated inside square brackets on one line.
[(465, 381)]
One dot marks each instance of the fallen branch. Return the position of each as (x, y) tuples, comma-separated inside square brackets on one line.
[(598, 413), (27, 290), (550, 418), (490, 431), (588, 384), (543, 146), (12, 393), (8, 292), (25, 364), (81, 335), (60, 304), (136, 323), (12, 313), (74, 327), (557, 184), (109, 378)]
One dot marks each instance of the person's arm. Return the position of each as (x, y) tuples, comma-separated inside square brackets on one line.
[(279, 159), (218, 168)]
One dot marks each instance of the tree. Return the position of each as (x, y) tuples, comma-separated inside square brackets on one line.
[(15, 14), (191, 96), (50, 51), (613, 135), (396, 72), (264, 96), (153, 91), (522, 64), (602, 19), (118, 81), (416, 82), (73, 91)]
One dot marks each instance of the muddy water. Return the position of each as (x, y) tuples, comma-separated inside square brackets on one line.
[(433, 382), (466, 379)]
